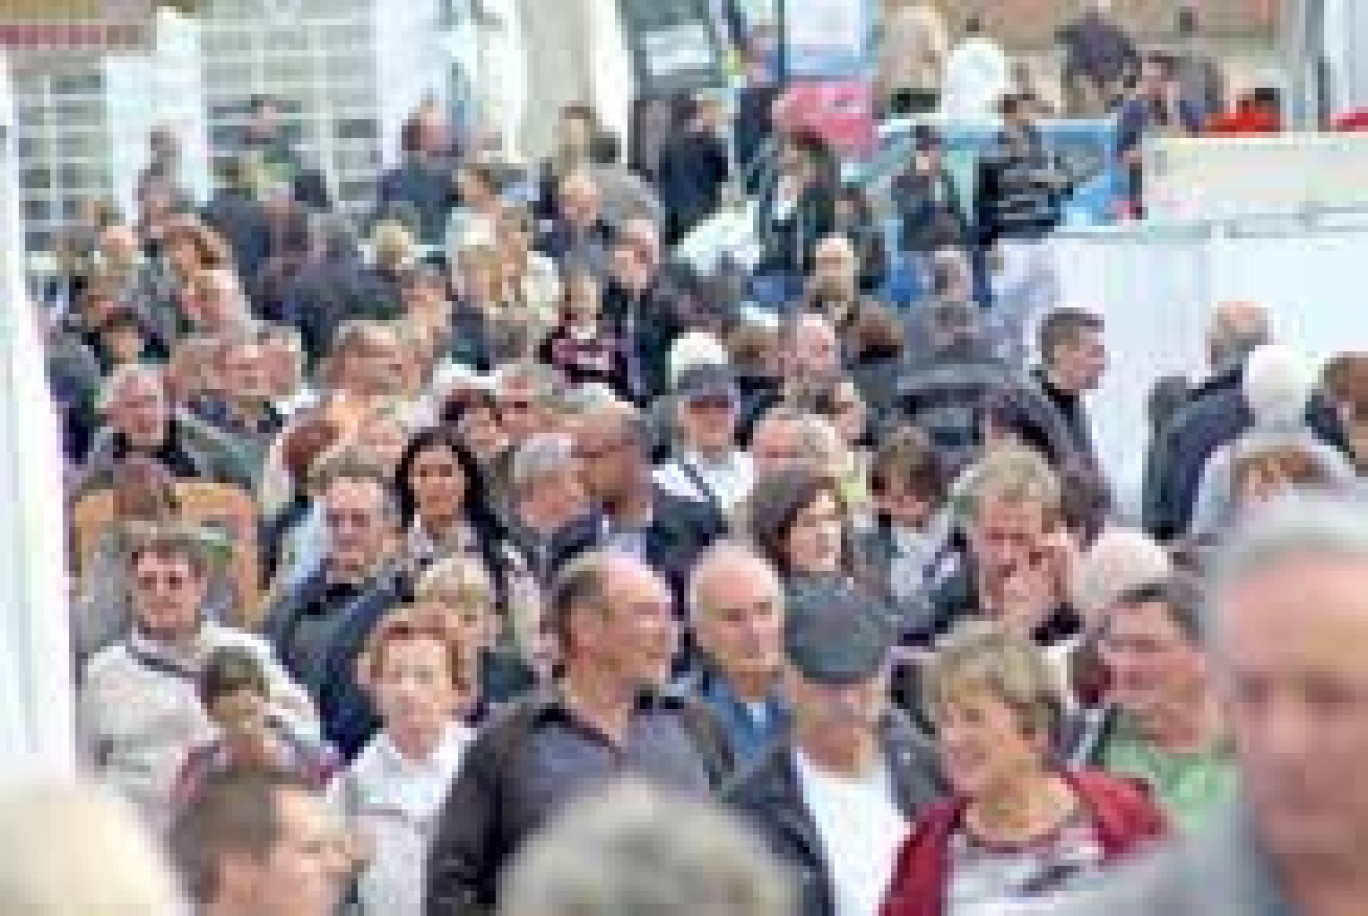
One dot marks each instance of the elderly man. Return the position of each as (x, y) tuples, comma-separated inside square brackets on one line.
[(709, 468), (579, 233), (786, 436), (834, 290), (138, 710), (547, 497), (736, 608), (1288, 623), (606, 717), (260, 844), (1162, 724), (320, 625), (633, 514), (1216, 413), (835, 799), (245, 409), (140, 420)]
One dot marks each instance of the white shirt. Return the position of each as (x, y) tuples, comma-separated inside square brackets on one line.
[(729, 481), (977, 76), (394, 803), (862, 830)]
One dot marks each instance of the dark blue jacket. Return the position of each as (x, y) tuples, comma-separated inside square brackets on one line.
[(769, 796), (427, 188)]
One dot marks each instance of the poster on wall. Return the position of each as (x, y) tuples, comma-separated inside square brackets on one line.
[(674, 46), (829, 39)]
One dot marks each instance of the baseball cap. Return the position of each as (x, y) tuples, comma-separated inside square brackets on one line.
[(707, 382), (835, 635)]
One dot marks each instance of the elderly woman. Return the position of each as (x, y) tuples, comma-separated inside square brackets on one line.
[(1016, 828)]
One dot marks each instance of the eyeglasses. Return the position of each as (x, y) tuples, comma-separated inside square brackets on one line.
[(518, 404)]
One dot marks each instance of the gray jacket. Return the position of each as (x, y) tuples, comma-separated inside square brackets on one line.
[(1216, 872)]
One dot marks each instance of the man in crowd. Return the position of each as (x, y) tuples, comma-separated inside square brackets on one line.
[(1015, 568), (642, 310), (1163, 723), (1099, 58), (1288, 624), (139, 711), (634, 515), (260, 844), (319, 625), (607, 716), (236, 214), (141, 420), (708, 467), (579, 234), (1073, 357), (424, 183), (546, 494), (736, 608), (245, 408), (835, 798), (1155, 108), (834, 290)]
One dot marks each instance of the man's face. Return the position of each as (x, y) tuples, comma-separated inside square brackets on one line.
[(560, 495), (574, 135), (246, 372), (168, 594), (610, 461), (141, 413), (709, 422), (375, 366), (836, 710), (777, 444), (1288, 661), (1154, 667), (119, 246), (634, 637), (1080, 364), (837, 270), (303, 873), (358, 526), (740, 619), (520, 413), (579, 203), (816, 352), (1005, 536)]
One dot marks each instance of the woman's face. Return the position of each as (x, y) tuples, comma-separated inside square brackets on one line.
[(439, 485), (815, 542), (241, 715), (983, 741), (414, 689)]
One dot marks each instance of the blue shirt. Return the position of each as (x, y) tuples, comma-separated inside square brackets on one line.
[(750, 731)]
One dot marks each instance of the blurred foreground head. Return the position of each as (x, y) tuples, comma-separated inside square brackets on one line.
[(634, 851), (70, 851)]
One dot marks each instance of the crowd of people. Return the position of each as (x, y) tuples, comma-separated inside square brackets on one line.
[(389, 559)]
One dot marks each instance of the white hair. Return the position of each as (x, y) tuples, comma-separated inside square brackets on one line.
[(725, 552), (127, 374), (1278, 384), (693, 349)]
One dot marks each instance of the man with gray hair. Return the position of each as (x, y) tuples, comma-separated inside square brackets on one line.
[(634, 850), (1288, 619), (141, 420), (547, 501)]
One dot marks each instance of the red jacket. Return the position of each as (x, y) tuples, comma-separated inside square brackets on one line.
[(1126, 818)]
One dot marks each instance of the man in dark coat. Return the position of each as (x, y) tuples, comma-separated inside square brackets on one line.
[(694, 167), (236, 214), (424, 184), (642, 309), (845, 734)]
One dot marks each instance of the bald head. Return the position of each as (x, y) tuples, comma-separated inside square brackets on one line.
[(814, 349), (736, 600), (1237, 329)]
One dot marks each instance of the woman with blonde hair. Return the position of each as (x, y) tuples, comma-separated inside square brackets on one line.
[(1017, 827)]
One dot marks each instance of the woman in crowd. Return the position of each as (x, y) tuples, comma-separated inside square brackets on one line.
[(415, 671), (443, 501), (530, 278), (1017, 828), (801, 523)]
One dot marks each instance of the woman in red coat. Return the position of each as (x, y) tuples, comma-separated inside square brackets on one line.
[(1017, 828)]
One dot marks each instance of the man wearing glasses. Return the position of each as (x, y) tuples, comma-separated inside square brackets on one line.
[(138, 710)]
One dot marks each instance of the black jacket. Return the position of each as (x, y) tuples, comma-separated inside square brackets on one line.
[(426, 188), (769, 796), (329, 291), (234, 214), (693, 170), (509, 785), (930, 211), (679, 532), (647, 325), (1017, 196), (788, 245)]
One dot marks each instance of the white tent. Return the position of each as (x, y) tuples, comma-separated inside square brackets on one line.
[(35, 670)]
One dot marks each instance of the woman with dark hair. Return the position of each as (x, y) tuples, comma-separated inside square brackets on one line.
[(799, 521), (444, 505), (583, 345)]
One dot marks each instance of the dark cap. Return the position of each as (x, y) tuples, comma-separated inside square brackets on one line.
[(708, 381), (835, 635)]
